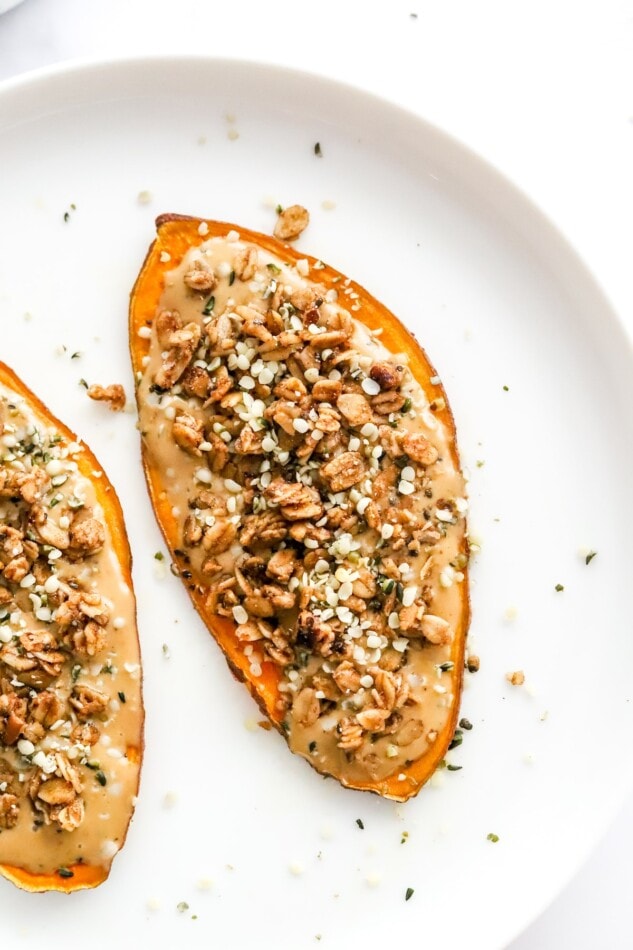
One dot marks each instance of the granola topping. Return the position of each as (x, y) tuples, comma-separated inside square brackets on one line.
[(62, 664), (319, 501)]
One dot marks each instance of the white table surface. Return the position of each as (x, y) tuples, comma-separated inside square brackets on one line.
[(542, 89)]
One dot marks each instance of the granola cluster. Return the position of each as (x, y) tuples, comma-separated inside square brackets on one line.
[(313, 517), (54, 624)]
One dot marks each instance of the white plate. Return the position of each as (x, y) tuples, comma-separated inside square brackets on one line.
[(498, 299)]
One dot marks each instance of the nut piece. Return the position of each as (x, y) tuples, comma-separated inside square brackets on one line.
[(245, 263), (187, 433), (343, 471), (114, 395), (181, 344), (306, 707), (418, 448), (9, 811), (291, 223), (387, 375), (517, 678), (435, 629), (200, 278), (355, 408), (87, 536)]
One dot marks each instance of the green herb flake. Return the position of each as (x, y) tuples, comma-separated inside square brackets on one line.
[(492, 837), (231, 278), (404, 838), (445, 667), (559, 588), (159, 556), (312, 746), (82, 382), (409, 893), (101, 778), (273, 268), (317, 150), (166, 651), (75, 672), (506, 389), (66, 217), (122, 697), (76, 355), (208, 307), (359, 822), (590, 557), (465, 724), (279, 209), (454, 768), (65, 872), (406, 406), (182, 907), (457, 739)]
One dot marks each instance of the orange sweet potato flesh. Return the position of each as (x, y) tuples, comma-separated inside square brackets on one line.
[(176, 234), (81, 875)]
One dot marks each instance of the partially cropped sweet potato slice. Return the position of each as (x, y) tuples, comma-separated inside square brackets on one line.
[(301, 460), (71, 712)]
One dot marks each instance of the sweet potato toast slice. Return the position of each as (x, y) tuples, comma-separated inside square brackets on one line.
[(301, 459), (71, 710)]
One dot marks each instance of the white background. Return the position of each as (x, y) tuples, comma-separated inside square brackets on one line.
[(543, 90)]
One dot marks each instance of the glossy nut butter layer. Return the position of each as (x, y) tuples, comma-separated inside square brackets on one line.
[(71, 714), (301, 459)]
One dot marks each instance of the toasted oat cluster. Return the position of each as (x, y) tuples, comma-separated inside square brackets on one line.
[(315, 491), (55, 624)]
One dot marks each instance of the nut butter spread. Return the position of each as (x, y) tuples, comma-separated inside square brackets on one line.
[(70, 692), (318, 500)]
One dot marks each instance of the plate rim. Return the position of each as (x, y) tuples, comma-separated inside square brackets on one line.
[(97, 68)]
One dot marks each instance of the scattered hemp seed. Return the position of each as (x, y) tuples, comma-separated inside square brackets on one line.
[(492, 837), (590, 557), (465, 724), (359, 822), (404, 838), (100, 777), (122, 696), (559, 588), (317, 150), (182, 907), (506, 389), (472, 664), (409, 893)]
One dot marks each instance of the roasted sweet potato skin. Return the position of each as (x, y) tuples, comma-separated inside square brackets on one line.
[(175, 236), (82, 875)]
